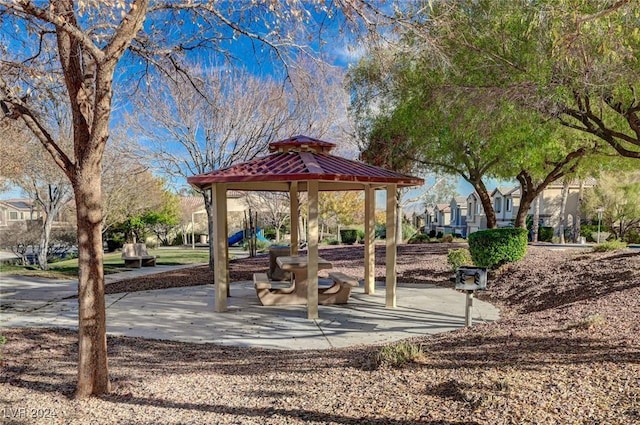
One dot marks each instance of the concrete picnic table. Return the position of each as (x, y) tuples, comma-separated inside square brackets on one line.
[(298, 292)]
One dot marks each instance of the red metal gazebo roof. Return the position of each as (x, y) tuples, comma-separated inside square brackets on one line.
[(303, 158)]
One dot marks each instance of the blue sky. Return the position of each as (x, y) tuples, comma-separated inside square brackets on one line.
[(340, 50)]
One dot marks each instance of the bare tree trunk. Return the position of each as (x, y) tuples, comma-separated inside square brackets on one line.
[(578, 217), (563, 208), (529, 193), (302, 230), (398, 216), (535, 226), (487, 205), (208, 207), (45, 238), (93, 376)]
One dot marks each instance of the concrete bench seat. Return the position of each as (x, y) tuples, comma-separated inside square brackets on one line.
[(261, 281), (344, 279), (135, 255)]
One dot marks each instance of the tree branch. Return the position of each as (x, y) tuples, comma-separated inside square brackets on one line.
[(21, 111), (27, 7)]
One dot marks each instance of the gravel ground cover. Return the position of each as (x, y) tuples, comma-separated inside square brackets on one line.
[(566, 351)]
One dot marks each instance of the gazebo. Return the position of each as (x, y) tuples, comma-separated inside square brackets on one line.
[(304, 164)]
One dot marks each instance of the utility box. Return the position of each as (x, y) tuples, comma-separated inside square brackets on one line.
[(471, 278), (275, 272)]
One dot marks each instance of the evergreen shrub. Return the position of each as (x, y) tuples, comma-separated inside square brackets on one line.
[(494, 247), (418, 238), (613, 245), (545, 234), (458, 258), (348, 236)]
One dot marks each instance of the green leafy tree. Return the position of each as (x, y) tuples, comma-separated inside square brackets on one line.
[(474, 114), (156, 212), (591, 74), (572, 60), (340, 208), (165, 220), (618, 194)]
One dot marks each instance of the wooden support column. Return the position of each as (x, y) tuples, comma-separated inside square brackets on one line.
[(226, 246), (391, 247), (312, 240), (221, 281), (369, 240), (293, 216)]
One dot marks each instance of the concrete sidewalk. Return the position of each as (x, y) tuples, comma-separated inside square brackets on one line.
[(186, 314)]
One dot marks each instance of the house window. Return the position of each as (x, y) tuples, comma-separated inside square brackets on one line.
[(470, 209), (498, 204), (13, 215), (507, 204)]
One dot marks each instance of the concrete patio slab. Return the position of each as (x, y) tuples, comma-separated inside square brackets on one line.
[(186, 314)]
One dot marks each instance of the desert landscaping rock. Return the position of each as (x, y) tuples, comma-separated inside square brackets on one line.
[(565, 351)]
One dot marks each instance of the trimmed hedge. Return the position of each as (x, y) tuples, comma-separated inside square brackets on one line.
[(545, 234), (494, 247), (348, 236)]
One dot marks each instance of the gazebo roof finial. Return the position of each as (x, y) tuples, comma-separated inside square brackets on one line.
[(301, 143)]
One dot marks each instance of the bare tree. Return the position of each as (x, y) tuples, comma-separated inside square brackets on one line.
[(216, 118), (209, 121), (19, 238), (273, 208), (36, 175)]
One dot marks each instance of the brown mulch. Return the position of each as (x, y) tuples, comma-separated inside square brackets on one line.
[(566, 351)]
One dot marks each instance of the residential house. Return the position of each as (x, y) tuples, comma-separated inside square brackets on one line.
[(442, 219), (506, 201), (458, 209), (476, 218), (427, 219), (551, 200), (446, 218), (18, 216), (13, 211)]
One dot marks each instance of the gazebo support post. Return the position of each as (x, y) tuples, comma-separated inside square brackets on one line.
[(221, 277), (391, 247), (312, 240), (226, 247), (293, 216), (369, 239)]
